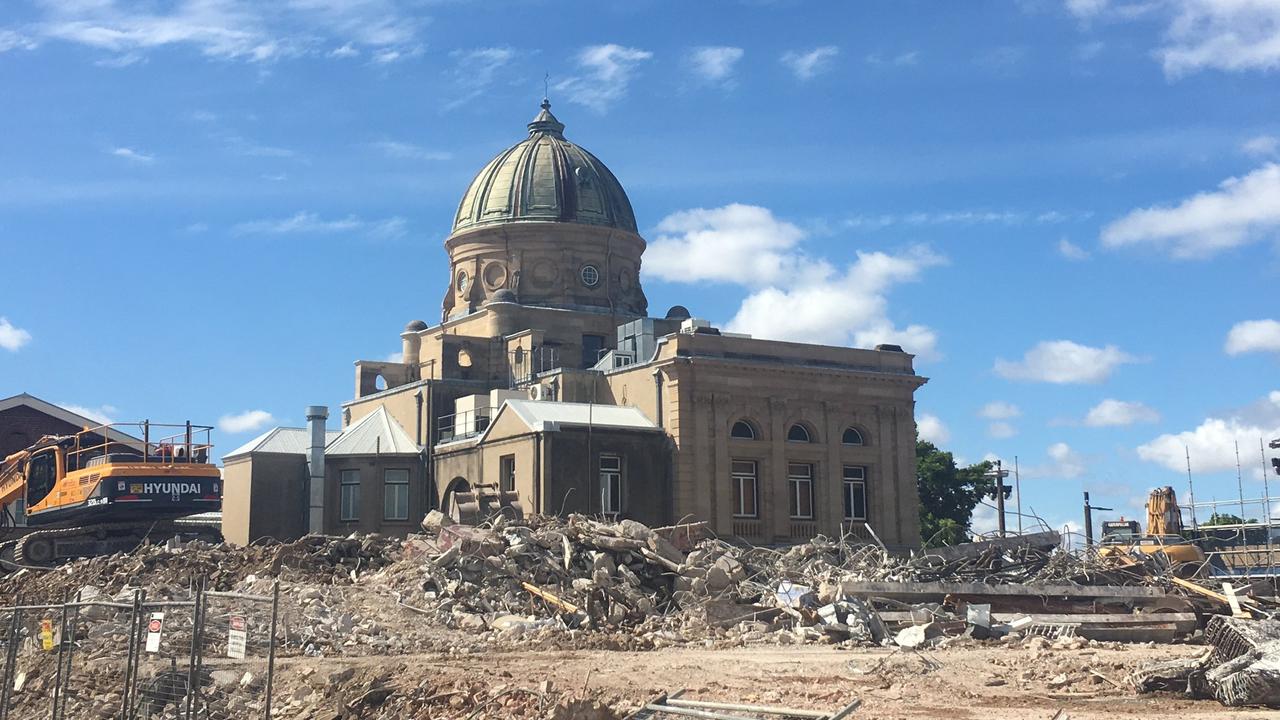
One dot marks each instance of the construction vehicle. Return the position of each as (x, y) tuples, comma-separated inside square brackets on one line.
[(1122, 538), (101, 491)]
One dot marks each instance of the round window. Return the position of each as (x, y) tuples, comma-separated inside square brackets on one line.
[(462, 281), (590, 275)]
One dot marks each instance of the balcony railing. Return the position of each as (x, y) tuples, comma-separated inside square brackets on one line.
[(463, 425)]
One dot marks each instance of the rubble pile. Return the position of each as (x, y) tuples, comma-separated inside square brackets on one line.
[(1241, 668), (546, 579), (167, 568)]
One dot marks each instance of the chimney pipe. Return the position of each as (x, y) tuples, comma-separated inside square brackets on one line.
[(316, 416)]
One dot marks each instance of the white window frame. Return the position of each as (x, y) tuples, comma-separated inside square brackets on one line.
[(595, 271), (401, 497), (610, 484), (794, 482), (740, 479), (751, 429), (808, 436), (507, 473), (855, 479), (349, 496), (862, 439)]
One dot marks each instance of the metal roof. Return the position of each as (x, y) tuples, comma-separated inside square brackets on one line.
[(284, 440), (547, 416), (545, 178), (374, 434)]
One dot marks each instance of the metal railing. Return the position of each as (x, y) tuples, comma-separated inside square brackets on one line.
[(463, 425)]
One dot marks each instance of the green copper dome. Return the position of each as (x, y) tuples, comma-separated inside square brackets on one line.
[(545, 178)]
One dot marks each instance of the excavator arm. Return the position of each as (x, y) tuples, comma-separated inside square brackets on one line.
[(13, 477)]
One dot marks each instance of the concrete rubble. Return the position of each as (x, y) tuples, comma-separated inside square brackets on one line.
[(580, 583)]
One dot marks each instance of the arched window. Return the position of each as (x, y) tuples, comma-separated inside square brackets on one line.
[(852, 437), (742, 430), (799, 433)]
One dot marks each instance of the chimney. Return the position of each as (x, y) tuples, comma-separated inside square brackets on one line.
[(316, 415)]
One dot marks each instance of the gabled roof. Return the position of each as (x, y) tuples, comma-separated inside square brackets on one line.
[(66, 416), (284, 440), (374, 434), (549, 416)]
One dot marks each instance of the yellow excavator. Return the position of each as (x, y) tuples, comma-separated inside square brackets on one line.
[(1164, 535), (100, 491)]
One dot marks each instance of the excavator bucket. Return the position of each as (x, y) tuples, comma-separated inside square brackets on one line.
[(484, 502)]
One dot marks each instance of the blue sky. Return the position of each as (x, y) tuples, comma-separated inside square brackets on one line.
[(1069, 209)]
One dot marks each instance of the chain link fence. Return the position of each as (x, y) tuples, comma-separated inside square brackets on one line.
[(201, 655)]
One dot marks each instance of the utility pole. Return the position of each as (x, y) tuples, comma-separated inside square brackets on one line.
[(999, 474), (1088, 519)]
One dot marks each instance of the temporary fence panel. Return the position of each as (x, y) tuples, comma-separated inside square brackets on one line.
[(92, 657), (236, 652), (163, 665), (206, 655)]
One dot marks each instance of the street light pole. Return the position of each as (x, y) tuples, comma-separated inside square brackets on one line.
[(999, 474)]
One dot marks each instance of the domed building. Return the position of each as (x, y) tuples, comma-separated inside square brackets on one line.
[(547, 387)]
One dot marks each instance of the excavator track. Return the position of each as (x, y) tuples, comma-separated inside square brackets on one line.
[(46, 548)]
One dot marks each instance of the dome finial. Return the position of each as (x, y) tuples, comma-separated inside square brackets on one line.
[(545, 122)]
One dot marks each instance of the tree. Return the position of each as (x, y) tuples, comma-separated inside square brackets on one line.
[(948, 494), (1226, 519)]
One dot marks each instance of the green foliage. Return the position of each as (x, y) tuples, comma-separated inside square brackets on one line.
[(1226, 519), (948, 494)]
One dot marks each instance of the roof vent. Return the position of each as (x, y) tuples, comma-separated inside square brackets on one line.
[(890, 348)]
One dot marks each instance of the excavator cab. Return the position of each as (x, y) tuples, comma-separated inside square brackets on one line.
[(102, 490)]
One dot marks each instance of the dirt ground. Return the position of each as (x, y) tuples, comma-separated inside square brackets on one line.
[(986, 682)]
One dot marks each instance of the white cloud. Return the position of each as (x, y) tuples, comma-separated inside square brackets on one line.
[(999, 410), (1261, 146), (1085, 9), (715, 64), (384, 56), (904, 59), (1242, 210), (1212, 444), (1064, 362), (475, 70), (1066, 463), (1071, 251), (245, 421), (101, 414), (12, 338), (1227, 35), (348, 50), (964, 217), (1112, 412), (1085, 52), (309, 223), (1001, 430), (1253, 336), (931, 429), (808, 64), (794, 296), (409, 151), (736, 243), (232, 29), (607, 71), (132, 155), (396, 357), (13, 40)]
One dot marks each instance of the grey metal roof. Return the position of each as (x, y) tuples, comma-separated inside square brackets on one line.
[(285, 440), (547, 416), (374, 434)]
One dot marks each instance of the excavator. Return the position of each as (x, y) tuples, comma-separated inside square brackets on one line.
[(100, 491), (1164, 536)]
